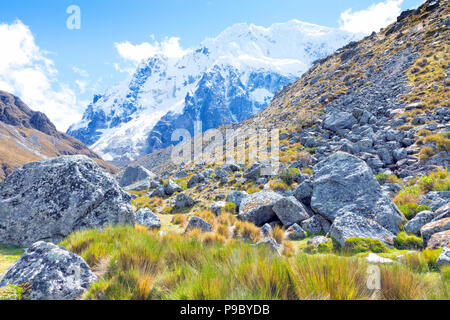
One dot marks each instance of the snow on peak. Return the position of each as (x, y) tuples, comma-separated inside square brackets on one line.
[(117, 124)]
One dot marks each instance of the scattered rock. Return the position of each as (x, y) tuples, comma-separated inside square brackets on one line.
[(133, 174), (50, 199), (53, 273), (271, 243), (303, 192), (439, 240), (258, 207), (171, 187), (422, 218), (217, 207), (434, 227), (295, 232), (198, 223), (349, 225), (316, 241), (236, 197), (289, 210), (195, 180), (266, 230), (436, 199), (145, 217), (444, 258), (183, 201), (339, 120)]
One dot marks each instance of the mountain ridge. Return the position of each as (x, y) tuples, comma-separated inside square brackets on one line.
[(162, 86)]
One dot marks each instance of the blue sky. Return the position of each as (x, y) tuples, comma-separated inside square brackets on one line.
[(82, 62)]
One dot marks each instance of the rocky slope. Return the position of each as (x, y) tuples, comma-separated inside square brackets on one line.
[(27, 136), (224, 80), (384, 99)]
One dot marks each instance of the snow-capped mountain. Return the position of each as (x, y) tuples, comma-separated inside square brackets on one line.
[(224, 80)]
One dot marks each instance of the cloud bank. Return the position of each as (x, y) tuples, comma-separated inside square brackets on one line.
[(374, 18), (26, 72)]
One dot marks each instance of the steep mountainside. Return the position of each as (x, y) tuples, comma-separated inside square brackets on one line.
[(27, 136), (225, 80), (384, 99)]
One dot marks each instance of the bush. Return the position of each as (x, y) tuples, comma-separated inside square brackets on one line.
[(167, 210), (386, 178), (357, 245), (324, 248), (288, 175), (230, 207), (411, 209), (11, 292), (405, 241)]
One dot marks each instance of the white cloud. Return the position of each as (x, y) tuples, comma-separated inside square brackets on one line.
[(81, 72), (135, 53), (81, 85), (374, 18), (28, 74)]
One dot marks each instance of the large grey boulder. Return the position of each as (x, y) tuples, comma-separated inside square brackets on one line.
[(270, 243), (195, 180), (139, 186), (171, 187), (50, 199), (442, 213), (345, 183), (289, 210), (217, 207), (257, 170), (53, 273), (145, 217), (236, 197), (349, 225), (434, 227), (312, 225), (422, 218), (198, 223), (339, 120), (258, 207), (183, 201), (444, 258), (133, 174)]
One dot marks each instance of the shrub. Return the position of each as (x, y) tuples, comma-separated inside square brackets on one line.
[(288, 175), (230, 207), (383, 178), (405, 241), (144, 201), (411, 209), (278, 185), (253, 190), (426, 153), (167, 210), (357, 245), (11, 292), (308, 171)]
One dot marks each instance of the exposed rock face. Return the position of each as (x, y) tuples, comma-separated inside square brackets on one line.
[(145, 217), (217, 207), (258, 207), (344, 183), (422, 218), (53, 272), (266, 230), (434, 227), (133, 174), (374, 258), (289, 210), (351, 225), (315, 225), (303, 192), (50, 199), (198, 223), (443, 212), (439, 240)]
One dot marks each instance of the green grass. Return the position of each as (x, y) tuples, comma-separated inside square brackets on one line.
[(8, 255), (359, 245), (143, 265), (405, 241)]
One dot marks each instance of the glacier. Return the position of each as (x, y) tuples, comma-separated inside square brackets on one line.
[(224, 80)]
